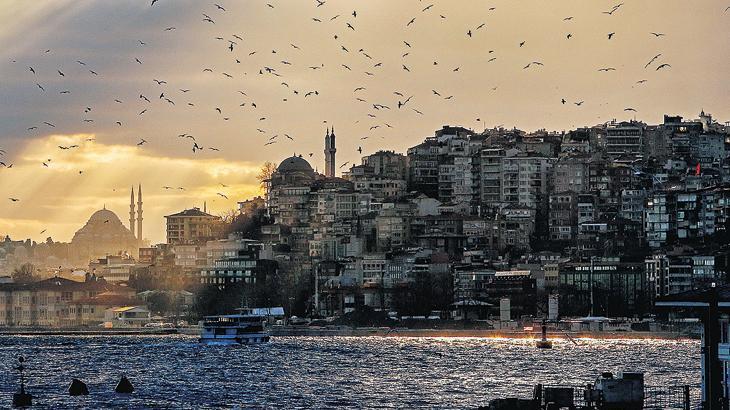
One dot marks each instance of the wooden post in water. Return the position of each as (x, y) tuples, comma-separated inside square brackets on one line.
[(686, 397)]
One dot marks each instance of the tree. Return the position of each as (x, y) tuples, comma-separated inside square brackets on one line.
[(159, 302), (249, 225), (24, 273), (267, 170)]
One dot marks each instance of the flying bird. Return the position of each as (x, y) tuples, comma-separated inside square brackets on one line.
[(613, 9), (141, 142), (652, 60), (663, 66), (222, 195)]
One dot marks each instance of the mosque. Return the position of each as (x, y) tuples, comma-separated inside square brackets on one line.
[(105, 234)]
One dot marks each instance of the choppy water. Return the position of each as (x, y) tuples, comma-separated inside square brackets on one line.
[(302, 372)]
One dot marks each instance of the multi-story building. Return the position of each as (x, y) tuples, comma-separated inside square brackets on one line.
[(236, 262), (660, 218), (563, 220), (192, 226), (570, 173), (113, 268), (59, 302), (624, 138), (632, 204), (671, 274), (525, 180), (423, 168), (516, 226), (491, 174), (387, 165), (383, 174), (603, 287)]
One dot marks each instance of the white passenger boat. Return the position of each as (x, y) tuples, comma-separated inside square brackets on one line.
[(243, 328)]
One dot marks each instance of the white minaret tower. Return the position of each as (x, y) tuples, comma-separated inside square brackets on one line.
[(329, 153), (139, 212), (131, 211)]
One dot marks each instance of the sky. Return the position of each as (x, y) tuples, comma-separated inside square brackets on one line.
[(306, 70)]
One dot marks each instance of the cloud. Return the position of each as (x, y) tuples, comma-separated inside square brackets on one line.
[(106, 36), (77, 181)]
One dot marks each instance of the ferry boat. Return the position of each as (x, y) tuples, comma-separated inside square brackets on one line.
[(243, 328)]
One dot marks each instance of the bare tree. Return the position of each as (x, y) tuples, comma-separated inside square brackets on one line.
[(267, 170), (25, 273)]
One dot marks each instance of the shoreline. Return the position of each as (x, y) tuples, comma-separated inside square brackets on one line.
[(364, 332), (475, 333)]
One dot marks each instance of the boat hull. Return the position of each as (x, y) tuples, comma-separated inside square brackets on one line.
[(252, 339)]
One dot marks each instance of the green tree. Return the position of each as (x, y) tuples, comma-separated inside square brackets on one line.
[(24, 273), (159, 303)]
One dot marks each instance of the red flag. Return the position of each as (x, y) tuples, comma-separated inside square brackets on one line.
[(697, 170)]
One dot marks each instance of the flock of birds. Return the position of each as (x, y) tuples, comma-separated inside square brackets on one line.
[(279, 72)]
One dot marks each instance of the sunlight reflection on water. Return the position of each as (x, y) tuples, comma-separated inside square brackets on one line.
[(305, 372)]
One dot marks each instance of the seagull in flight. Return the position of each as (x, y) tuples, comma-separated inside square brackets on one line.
[(663, 66), (652, 60), (141, 142), (222, 195)]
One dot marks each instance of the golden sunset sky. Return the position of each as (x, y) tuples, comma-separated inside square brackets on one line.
[(484, 73)]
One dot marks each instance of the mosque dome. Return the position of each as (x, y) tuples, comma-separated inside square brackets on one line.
[(104, 216), (295, 164), (103, 234)]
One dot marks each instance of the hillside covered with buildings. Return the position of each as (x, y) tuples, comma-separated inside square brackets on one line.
[(603, 219)]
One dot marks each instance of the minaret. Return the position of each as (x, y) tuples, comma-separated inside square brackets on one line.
[(139, 212), (131, 211), (329, 153)]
